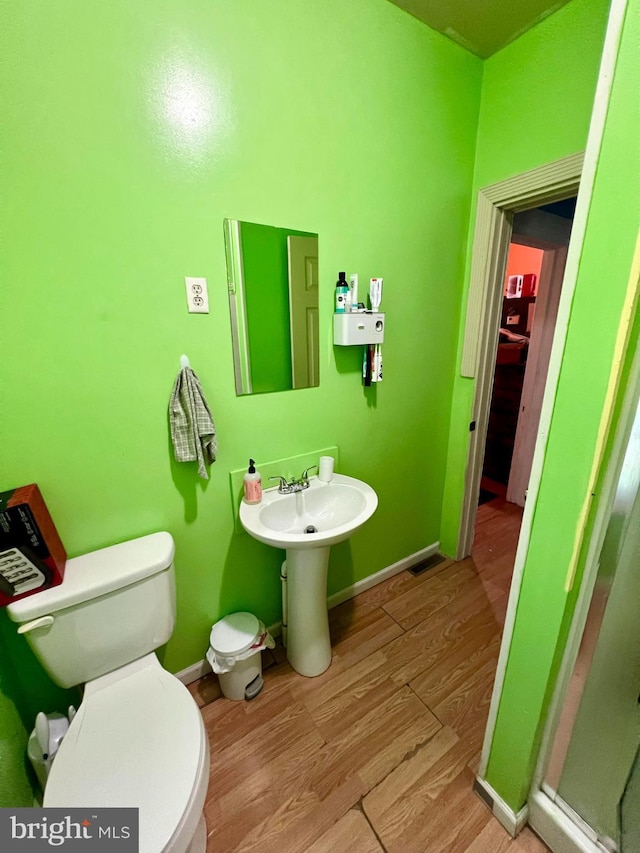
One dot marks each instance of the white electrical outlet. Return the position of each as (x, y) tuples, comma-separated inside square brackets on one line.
[(197, 296)]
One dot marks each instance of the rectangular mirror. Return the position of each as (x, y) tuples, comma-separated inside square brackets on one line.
[(272, 276)]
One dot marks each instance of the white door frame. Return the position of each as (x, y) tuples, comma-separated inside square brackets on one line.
[(496, 205)]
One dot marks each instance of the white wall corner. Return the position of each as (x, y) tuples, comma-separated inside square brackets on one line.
[(512, 821)]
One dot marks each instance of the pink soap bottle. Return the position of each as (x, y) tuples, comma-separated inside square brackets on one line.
[(252, 484)]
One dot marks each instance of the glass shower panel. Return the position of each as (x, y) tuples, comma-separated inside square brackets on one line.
[(594, 762), (630, 811)]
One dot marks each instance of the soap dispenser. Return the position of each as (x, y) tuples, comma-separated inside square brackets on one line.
[(252, 484)]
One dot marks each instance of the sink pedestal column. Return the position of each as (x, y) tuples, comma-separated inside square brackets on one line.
[(308, 642)]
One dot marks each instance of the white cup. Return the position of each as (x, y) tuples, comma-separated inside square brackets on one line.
[(325, 469)]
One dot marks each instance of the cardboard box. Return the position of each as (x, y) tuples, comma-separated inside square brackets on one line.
[(32, 557)]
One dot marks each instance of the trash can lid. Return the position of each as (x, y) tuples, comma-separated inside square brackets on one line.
[(235, 633)]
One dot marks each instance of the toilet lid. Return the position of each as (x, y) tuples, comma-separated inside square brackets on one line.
[(137, 743)]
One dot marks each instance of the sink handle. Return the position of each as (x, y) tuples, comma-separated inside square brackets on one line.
[(283, 485), (305, 473)]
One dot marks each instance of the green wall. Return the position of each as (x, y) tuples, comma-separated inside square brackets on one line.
[(15, 784), (544, 609), (537, 96), (537, 93), (130, 132)]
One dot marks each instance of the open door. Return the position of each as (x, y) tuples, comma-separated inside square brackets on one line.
[(535, 266), (550, 233)]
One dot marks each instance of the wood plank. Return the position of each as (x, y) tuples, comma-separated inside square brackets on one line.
[(351, 695), (376, 744), (449, 823), (468, 705), (399, 796), (354, 639), (431, 640), (419, 603), (441, 679), (386, 591), (205, 690), (351, 832), (407, 801), (255, 746), (495, 838), (495, 542), (300, 820), (282, 678), (257, 792)]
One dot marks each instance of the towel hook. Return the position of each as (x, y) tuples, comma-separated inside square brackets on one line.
[(184, 361)]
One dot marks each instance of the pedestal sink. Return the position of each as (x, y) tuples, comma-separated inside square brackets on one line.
[(306, 524)]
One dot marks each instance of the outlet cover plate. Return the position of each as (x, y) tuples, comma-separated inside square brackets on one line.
[(197, 295)]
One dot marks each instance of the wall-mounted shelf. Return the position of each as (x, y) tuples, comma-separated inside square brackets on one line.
[(355, 329)]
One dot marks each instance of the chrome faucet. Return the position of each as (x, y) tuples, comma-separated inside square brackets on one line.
[(288, 487)]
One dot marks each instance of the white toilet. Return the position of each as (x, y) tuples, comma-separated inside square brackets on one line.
[(138, 739)]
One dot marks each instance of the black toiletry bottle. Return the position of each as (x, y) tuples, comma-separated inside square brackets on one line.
[(342, 291)]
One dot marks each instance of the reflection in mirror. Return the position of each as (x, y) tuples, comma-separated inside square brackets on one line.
[(272, 276)]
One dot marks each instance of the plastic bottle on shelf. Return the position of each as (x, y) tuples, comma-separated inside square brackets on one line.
[(342, 293)]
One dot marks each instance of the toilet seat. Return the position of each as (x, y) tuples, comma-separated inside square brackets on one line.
[(137, 740)]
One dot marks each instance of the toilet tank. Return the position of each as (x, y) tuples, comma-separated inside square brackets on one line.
[(113, 606)]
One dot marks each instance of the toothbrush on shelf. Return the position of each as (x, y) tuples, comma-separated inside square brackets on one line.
[(367, 365), (377, 363)]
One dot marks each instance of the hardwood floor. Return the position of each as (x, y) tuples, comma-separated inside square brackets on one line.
[(379, 752)]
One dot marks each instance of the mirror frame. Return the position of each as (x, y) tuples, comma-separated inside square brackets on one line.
[(237, 286)]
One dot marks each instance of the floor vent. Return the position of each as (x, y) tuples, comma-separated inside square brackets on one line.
[(425, 565)]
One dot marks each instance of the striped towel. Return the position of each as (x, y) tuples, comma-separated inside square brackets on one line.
[(193, 432)]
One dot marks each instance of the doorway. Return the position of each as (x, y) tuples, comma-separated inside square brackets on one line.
[(496, 207), (533, 276)]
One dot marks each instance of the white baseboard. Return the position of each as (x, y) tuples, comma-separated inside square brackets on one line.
[(194, 672), (512, 821), (202, 668), (383, 575)]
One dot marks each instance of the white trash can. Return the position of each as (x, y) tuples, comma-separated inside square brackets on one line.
[(235, 644)]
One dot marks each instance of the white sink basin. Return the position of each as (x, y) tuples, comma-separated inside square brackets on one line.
[(306, 524), (331, 512)]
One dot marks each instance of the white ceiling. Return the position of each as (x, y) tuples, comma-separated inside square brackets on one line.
[(481, 26)]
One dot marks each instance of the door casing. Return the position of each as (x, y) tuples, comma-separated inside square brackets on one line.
[(496, 205)]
